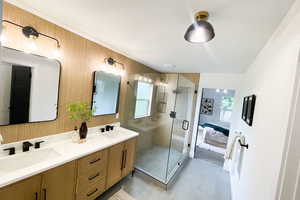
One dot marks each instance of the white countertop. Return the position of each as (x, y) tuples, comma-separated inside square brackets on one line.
[(67, 150)]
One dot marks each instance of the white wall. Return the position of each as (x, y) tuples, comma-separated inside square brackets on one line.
[(290, 176), (271, 77), (214, 80)]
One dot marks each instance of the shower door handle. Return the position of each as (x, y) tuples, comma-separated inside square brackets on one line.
[(173, 114), (185, 125)]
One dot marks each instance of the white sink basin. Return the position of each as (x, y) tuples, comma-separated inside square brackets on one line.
[(23, 160)]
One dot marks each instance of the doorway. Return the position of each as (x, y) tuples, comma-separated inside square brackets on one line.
[(214, 124), (20, 94)]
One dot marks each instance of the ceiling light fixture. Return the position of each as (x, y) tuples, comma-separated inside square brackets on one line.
[(200, 31), (32, 34), (110, 66)]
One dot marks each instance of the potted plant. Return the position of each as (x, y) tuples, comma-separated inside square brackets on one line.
[(82, 112)]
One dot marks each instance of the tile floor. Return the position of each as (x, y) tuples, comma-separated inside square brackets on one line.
[(209, 156), (154, 161), (199, 180)]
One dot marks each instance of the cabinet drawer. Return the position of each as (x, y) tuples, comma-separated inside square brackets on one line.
[(92, 162), (90, 178), (93, 191)]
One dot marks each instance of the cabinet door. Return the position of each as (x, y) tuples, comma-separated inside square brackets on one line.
[(59, 183), (28, 189), (114, 171), (129, 159)]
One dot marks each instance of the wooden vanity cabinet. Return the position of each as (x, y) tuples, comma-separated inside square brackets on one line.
[(115, 159), (28, 189), (129, 156), (91, 175), (121, 159), (59, 183), (82, 179)]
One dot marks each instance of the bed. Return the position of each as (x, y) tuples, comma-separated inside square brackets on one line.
[(213, 137)]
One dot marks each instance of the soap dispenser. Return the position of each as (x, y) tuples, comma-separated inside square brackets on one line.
[(75, 135)]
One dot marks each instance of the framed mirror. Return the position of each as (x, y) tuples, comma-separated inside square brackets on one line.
[(29, 86), (106, 92)]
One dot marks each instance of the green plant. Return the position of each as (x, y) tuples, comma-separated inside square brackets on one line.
[(80, 111)]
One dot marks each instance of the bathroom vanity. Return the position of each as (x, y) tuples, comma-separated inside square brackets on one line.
[(54, 167), (61, 169)]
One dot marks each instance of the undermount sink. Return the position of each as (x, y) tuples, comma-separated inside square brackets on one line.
[(23, 160)]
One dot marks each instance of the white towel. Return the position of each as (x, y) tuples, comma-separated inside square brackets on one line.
[(229, 153)]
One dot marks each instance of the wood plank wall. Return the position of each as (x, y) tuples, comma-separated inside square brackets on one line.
[(81, 58)]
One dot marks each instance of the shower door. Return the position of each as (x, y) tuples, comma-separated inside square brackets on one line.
[(182, 117), (164, 132)]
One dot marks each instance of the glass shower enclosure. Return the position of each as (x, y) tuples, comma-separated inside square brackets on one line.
[(160, 108)]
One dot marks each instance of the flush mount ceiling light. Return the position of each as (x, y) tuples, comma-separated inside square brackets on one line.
[(200, 31), (32, 34)]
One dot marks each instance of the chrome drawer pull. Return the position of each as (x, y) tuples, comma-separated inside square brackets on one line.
[(94, 161), (91, 178), (90, 194)]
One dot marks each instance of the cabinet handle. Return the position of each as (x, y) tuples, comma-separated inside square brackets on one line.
[(91, 193), (45, 194), (36, 196), (122, 160), (125, 158), (92, 177), (94, 161)]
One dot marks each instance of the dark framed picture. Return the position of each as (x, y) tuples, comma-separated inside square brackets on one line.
[(207, 106), (248, 109), (244, 111)]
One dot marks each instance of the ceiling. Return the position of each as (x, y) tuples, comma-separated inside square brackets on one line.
[(151, 32)]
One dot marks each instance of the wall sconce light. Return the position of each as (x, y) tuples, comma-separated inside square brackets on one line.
[(162, 84), (144, 79), (32, 35), (111, 66)]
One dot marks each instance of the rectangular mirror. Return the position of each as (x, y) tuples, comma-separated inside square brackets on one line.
[(106, 93), (29, 86)]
